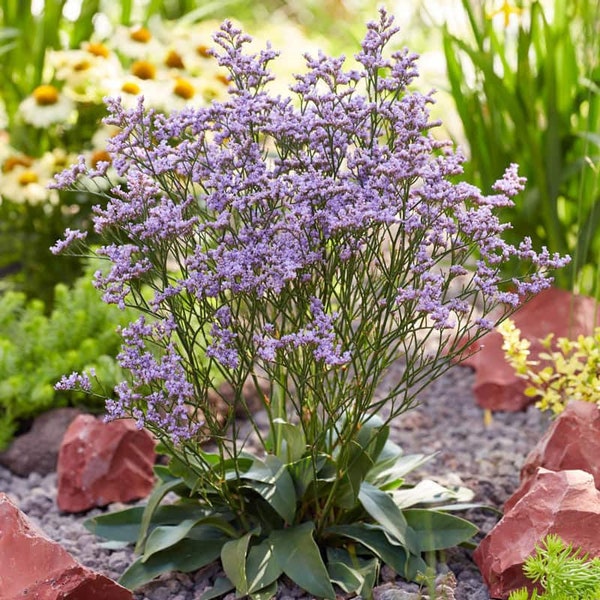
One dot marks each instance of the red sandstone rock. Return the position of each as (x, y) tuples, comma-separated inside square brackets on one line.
[(100, 463), (555, 311), (571, 442), (33, 566), (565, 503)]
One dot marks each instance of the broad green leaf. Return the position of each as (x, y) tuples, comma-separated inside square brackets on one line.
[(430, 492), (154, 500), (233, 559), (393, 469), (164, 536), (187, 555), (437, 530), (351, 573), (273, 482), (382, 508), (299, 558), (221, 587), (374, 539), (266, 593), (262, 569), (122, 526), (294, 445), (302, 473)]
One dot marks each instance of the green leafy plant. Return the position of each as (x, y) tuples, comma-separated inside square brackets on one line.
[(314, 243), (379, 518), (528, 90), (36, 349), (562, 573), (567, 369)]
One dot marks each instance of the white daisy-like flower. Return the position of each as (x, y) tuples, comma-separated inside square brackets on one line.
[(46, 106), (85, 73), (191, 44), (136, 42), (25, 180)]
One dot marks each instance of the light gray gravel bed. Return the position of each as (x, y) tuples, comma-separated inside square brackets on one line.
[(486, 459)]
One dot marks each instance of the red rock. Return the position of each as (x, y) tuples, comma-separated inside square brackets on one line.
[(33, 566), (565, 503), (571, 442), (555, 311), (100, 463)]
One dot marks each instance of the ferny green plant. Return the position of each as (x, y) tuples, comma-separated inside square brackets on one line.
[(37, 348), (562, 573)]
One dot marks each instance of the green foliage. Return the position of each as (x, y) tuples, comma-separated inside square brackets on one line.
[(268, 517), (567, 370), (529, 94), (562, 572), (37, 349)]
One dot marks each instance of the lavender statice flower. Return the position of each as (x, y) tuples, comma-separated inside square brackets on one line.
[(79, 381), (265, 233)]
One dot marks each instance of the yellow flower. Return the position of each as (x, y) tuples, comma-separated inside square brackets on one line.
[(141, 35), (506, 10), (143, 69), (184, 89)]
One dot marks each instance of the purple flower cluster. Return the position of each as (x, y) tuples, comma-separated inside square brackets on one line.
[(249, 218), (158, 394)]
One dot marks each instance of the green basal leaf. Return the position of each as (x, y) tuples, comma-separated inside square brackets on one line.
[(294, 441), (302, 473), (125, 525), (121, 526), (298, 556), (382, 508), (390, 472), (187, 555), (430, 492), (164, 536), (266, 593), (262, 569), (438, 530), (351, 573), (221, 587), (233, 559), (374, 539), (154, 500), (272, 481)]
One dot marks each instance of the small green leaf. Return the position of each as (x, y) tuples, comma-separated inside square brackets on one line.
[(437, 530), (233, 559), (382, 508), (299, 558)]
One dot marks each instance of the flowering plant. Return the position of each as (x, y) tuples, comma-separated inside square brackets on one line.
[(566, 370), (305, 246)]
